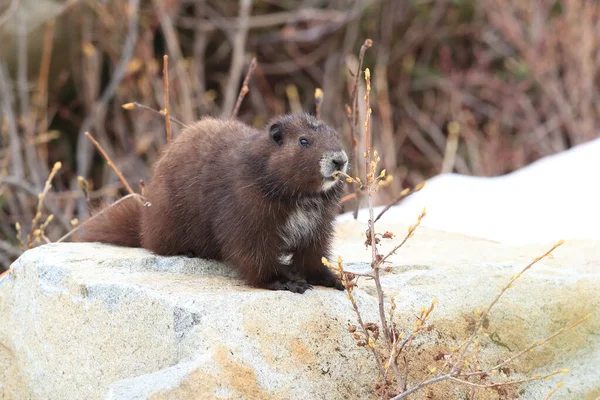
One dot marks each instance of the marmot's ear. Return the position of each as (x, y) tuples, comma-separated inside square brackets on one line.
[(276, 133)]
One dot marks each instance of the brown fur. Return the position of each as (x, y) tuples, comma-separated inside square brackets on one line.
[(225, 191)]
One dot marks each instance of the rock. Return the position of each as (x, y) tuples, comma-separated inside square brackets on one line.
[(100, 322), (93, 321)]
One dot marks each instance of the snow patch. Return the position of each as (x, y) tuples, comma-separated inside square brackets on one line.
[(556, 197)]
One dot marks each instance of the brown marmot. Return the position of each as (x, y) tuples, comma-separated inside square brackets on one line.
[(262, 201)]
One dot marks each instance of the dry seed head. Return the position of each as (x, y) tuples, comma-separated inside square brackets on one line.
[(74, 222), (419, 186), (18, 226), (88, 49), (129, 106), (404, 192), (57, 166), (564, 370), (318, 95), (453, 128), (83, 184)]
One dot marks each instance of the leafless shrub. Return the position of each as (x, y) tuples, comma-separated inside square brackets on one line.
[(388, 342)]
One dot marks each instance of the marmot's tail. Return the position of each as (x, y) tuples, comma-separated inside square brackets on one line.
[(117, 224)]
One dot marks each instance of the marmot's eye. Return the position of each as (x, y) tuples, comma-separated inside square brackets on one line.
[(304, 142)]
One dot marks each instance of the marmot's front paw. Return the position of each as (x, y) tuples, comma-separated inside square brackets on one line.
[(294, 286)]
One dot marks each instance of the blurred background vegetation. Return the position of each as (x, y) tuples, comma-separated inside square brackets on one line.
[(474, 87)]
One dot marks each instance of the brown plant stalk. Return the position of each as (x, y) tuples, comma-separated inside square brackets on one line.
[(40, 204), (245, 89), (110, 163), (133, 105), (353, 115), (166, 90), (318, 102)]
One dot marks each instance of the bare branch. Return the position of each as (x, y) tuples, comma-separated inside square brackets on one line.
[(318, 102), (40, 204), (110, 163), (7, 110), (8, 14), (237, 59), (83, 146), (469, 341), (166, 90), (353, 116), (244, 90), (135, 104)]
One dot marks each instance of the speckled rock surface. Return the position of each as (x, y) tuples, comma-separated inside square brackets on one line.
[(100, 322)]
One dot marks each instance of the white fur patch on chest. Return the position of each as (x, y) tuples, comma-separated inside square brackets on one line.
[(302, 225), (285, 258)]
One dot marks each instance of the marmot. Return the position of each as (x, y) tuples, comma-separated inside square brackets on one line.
[(262, 201)]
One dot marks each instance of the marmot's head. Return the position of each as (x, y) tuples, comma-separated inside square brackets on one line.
[(303, 156)]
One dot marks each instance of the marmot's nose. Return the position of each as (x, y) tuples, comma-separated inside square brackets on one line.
[(340, 160)]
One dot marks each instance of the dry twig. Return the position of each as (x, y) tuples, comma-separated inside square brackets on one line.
[(83, 148), (237, 58), (34, 223), (318, 102), (166, 89), (110, 163), (135, 104), (353, 115), (244, 90)]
